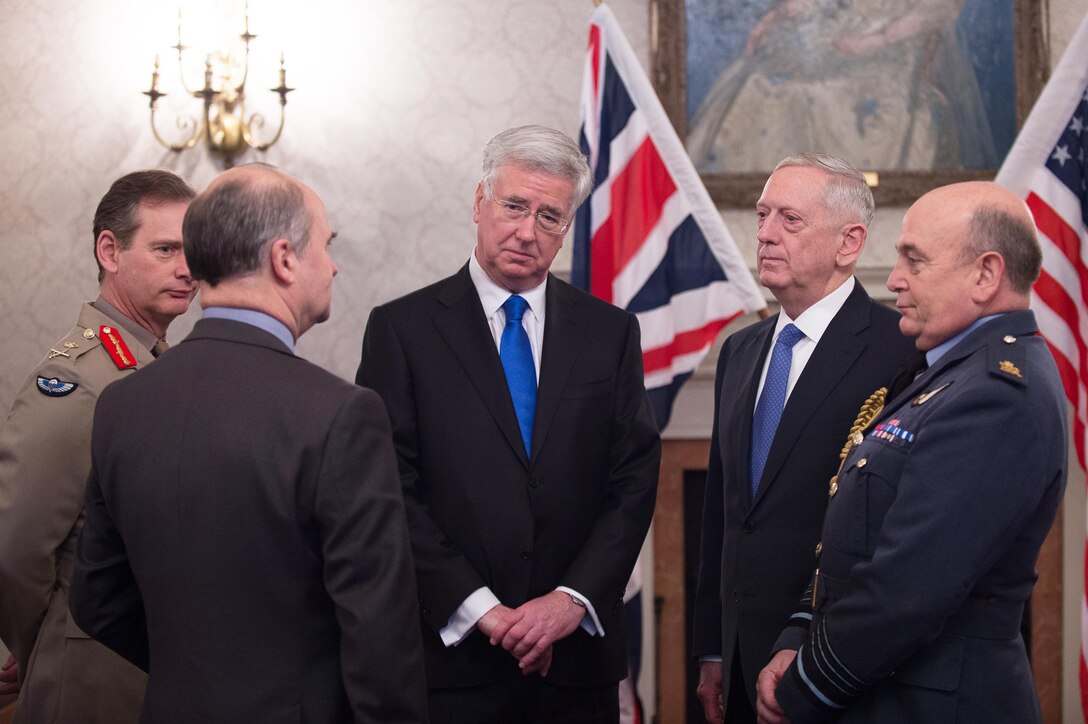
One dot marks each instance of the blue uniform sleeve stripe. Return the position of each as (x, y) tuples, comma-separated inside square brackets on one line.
[(811, 686)]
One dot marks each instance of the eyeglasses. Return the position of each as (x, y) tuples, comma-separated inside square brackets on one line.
[(545, 221)]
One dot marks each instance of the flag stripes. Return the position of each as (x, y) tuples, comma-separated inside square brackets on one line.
[(1047, 168), (649, 238)]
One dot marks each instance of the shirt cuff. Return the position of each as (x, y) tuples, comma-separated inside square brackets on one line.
[(590, 623), (464, 619)]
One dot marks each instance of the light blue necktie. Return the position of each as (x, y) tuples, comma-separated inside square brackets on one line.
[(517, 362), (769, 408)]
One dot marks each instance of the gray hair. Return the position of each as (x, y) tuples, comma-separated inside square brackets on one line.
[(536, 148), (847, 193), (229, 226), (994, 229)]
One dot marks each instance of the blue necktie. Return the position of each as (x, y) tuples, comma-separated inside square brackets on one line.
[(771, 402), (517, 362)]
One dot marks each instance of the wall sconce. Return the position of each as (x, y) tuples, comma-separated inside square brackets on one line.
[(223, 125)]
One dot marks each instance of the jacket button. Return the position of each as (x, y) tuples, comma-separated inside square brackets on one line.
[(526, 555), (534, 482), (748, 527)]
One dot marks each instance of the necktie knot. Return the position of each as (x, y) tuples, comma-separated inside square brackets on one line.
[(790, 336), (514, 307)]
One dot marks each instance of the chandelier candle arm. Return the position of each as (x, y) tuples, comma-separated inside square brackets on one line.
[(224, 126)]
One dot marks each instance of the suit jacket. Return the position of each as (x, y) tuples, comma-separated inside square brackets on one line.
[(480, 512), (757, 556), (930, 543), (245, 539), (45, 454)]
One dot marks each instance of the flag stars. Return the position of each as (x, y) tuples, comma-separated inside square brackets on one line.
[(1061, 155), (1076, 125)]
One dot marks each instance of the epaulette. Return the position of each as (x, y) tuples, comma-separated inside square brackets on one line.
[(1008, 360), (67, 350), (72, 346)]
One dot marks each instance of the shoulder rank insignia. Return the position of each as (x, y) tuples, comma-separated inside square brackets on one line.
[(68, 347), (116, 348), (54, 387), (927, 396), (1009, 368)]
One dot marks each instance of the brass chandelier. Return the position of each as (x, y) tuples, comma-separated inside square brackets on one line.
[(223, 124)]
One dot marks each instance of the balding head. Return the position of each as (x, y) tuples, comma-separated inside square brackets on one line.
[(230, 224), (967, 250), (258, 239)]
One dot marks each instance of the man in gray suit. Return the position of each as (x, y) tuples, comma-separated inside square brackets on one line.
[(246, 540), (943, 501)]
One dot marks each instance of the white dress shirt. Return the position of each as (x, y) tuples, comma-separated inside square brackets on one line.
[(812, 322)]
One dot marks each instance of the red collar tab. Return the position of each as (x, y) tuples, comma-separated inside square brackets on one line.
[(116, 348)]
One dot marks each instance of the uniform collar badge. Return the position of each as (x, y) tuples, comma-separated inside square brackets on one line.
[(116, 348), (927, 396)]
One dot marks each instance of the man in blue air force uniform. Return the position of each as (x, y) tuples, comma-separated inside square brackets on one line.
[(944, 499)]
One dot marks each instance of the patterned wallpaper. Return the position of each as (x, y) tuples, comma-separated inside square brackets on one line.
[(395, 100)]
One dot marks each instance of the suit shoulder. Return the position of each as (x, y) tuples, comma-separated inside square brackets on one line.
[(423, 296)]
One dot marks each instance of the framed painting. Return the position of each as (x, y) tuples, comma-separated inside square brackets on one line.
[(916, 94)]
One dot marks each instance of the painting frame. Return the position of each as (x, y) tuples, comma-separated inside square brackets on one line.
[(893, 188)]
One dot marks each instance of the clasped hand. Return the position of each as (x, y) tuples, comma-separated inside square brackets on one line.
[(529, 631)]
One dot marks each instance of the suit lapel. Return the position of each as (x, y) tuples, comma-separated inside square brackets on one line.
[(838, 350), (463, 326), (563, 337)]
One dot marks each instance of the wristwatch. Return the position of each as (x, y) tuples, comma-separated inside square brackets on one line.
[(576, 601)]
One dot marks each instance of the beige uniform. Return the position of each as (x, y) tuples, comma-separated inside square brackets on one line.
[(44, 461)]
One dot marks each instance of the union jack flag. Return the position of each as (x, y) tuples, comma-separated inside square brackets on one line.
[(649, 238), (1048, 167)]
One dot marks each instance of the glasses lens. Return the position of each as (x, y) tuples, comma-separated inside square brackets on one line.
[(514, 212)]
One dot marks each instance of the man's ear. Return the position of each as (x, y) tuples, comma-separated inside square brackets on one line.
[(108, 248), (477, 202), (989, 274), (283, 260), (851, 245)]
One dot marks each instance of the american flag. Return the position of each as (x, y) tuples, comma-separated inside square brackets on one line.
[(1047, 167), (649, 239)]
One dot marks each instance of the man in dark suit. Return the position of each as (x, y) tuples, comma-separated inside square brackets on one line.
[(528, 454), (767, 485), (936, 520), (245, 539)]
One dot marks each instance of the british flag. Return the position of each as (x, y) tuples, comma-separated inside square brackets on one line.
[(649, 238), (1048, 167)]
